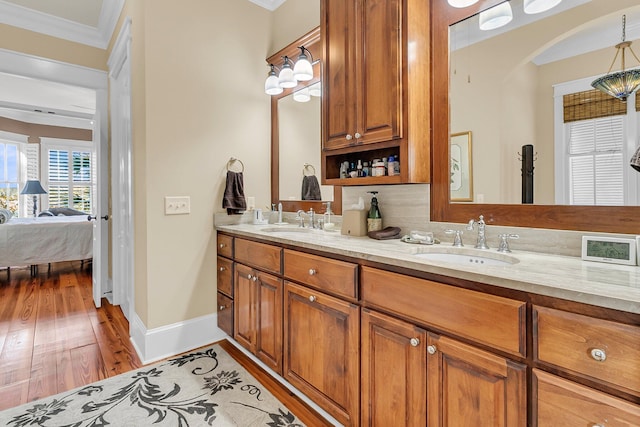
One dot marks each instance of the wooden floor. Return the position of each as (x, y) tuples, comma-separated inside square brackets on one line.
[(53, 339)]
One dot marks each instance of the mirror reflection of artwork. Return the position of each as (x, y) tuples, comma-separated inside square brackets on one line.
[(461, 167)]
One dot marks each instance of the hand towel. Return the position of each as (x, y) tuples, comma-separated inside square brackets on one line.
[(310, 188), (233, 200)]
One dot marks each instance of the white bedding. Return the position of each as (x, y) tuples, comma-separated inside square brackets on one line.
[(26, 241)]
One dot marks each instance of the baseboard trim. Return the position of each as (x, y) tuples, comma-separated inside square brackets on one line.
[(166, 341)]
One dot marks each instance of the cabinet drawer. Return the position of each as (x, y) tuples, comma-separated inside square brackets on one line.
[(225, 313), (489, 319), (259, 255), (578, 343), (327, 274), (225, 245), (225, 276), (564, 403)]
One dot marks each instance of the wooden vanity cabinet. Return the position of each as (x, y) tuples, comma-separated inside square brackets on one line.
[(224, 276), (258, 301), (374, 51)]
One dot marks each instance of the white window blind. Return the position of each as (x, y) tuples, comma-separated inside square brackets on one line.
[(70, 175), (596, 161)]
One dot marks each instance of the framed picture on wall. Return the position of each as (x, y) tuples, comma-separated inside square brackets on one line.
[(461, 167)]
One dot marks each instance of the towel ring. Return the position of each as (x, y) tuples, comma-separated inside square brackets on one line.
[(306, 167), (232, 161)]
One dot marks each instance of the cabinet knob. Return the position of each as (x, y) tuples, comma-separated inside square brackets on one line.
[(349, 137), (222, 245), (254, 278), (222, 307), (414, 342), (598, 354), (312, 298), (597, 425), (249, 276), (432, 349), (312, 272), (222, 269), (357, 135)]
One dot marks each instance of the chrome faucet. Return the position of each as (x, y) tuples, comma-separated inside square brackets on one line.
[(481, 243), (312, 218), (300, 218), (280, 213)]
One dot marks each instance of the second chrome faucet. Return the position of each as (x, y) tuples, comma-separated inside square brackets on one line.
[(481, 243)]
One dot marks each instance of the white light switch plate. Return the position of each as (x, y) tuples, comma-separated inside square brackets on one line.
[(177, 205)]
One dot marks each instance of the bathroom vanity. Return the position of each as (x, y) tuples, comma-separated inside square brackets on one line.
[(376, 334)]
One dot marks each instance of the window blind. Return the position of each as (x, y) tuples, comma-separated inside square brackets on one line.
[(591, 104)]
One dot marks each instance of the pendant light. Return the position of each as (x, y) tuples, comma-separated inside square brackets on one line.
[(539, 6), (622, 83), (461, 3), (285, 78), (303, 70), (272, 85), (496, 17)]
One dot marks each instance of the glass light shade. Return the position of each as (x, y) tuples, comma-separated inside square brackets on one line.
[(315, 89), (286, 79), (539, 6), (461, 3), (303, 70), (302, 95), (620, 84), (496, 17), (272, 85)]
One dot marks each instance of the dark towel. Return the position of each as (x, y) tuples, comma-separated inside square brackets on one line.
[(233, 200), (310, 188)]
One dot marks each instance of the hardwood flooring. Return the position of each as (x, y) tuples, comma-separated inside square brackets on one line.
[(53, 339)]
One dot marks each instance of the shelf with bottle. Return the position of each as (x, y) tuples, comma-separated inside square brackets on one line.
[(381, 166)]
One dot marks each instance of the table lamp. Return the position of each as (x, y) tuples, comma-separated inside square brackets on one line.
[(34, 188)]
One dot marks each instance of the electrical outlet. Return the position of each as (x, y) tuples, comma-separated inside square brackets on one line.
[(177, 205)]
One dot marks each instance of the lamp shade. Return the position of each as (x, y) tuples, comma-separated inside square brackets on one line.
[(315, 89), (462, 3), (303, 70), (539, 6), (496, 17), (33, 187), (286, 79), (272, 85), (620, 84), (302, 95)]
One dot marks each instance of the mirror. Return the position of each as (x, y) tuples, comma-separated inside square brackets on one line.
[(519, 73), (620, 219), (295, 137)]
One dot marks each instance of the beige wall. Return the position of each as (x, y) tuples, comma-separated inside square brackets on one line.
[(291, 20)]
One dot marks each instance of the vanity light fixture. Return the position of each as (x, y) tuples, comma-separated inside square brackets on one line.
[(288, 76), (272, 85), (622, 83), (286, 79), (302, 95), (303, 70), (539, 6), (496, 17), (461, 3)]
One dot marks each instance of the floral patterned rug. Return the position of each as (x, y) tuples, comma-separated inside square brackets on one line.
[(204, 388)]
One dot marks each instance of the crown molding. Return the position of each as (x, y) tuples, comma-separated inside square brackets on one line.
[(268, 4), (33, 20)]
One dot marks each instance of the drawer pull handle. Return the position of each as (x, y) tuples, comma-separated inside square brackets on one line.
[(222, 307), (313, 272), (414, 342), (222, 269), (432, 349), (357, 135), (598, 354), (312, 298), (222, 245)]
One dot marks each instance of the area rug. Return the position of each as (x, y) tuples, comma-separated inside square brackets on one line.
[(204, 388)]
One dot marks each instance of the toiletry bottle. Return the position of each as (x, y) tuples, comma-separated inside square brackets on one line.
[(328, 223), (359, 167), (374, 218)]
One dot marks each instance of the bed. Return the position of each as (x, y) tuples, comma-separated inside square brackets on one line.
[(32, 241)]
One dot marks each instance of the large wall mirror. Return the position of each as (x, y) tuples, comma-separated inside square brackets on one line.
[(499, 85), (295, 136)]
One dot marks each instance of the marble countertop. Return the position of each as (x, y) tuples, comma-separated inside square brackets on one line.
[(600, 284)]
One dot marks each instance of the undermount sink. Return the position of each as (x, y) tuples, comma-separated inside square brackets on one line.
[(464, 256), (287, 230)]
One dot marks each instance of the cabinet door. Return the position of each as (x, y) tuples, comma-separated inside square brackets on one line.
[(269, 317), (394, 372), (245, 306), (321, 350), (338, 33), (225, 313), (471, 387)]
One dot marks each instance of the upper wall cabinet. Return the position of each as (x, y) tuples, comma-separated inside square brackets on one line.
[(376, 77)]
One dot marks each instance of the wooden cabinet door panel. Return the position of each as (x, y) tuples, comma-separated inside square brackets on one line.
[(225, 245), (245, 306), (225, 276), (225, 313), (560, 402), (322, 358), (269, 317), (471, 387), (394, 372), (326, 274), (259, 255)]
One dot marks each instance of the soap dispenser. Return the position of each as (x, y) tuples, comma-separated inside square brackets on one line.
[(374, 218), (328, 223)]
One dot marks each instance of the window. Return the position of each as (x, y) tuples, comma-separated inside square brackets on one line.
[(69, 173), (9, 177)]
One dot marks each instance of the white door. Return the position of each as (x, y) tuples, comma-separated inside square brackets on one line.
[(121, 172)]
